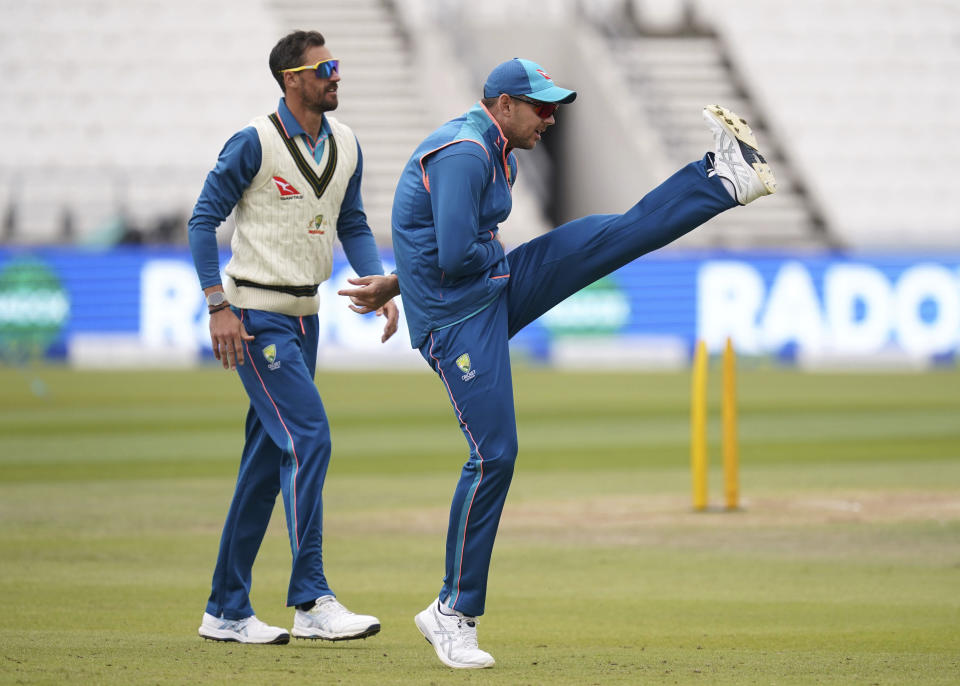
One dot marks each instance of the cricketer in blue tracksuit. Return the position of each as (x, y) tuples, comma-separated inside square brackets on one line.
[(464, 298)]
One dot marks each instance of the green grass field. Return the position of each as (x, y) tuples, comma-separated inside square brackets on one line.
[(843, 566)]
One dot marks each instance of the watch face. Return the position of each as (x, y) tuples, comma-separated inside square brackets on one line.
[(216, 298)]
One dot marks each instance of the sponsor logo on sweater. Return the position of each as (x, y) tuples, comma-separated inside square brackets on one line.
[(287, 191)]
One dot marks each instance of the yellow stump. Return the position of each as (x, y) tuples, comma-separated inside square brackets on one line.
[(731, 455), (698, 427)]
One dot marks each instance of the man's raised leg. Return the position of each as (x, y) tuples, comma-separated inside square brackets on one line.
[(552, 267)]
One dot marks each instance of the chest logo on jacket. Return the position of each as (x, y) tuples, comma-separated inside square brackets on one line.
[(463, 363), (287, 191)]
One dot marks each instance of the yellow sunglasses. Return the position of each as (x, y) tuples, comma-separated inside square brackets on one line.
[(323, 69)]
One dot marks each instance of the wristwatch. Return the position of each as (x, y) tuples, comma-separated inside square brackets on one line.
[(216, 298)]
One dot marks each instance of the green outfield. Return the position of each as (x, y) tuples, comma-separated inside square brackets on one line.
[(843, 566)]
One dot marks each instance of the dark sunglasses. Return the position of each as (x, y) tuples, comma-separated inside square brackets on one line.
[(323, 69), (544, 110)]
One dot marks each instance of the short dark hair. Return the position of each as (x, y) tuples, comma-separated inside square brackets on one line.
[(289, 50)]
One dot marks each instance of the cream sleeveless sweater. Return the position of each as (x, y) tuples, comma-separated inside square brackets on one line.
[(284, 234)]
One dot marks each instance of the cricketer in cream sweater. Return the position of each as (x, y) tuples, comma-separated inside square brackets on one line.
[(293, 178), (301, 253)]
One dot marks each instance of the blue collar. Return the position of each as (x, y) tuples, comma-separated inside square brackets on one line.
[(293, 128), (479, 118)]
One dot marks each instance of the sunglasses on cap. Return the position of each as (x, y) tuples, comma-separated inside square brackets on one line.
[(323, 69), (544, 110)]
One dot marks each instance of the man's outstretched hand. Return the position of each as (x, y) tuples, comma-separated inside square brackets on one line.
[(375, 293)]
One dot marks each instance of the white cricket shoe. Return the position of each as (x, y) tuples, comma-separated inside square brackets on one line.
[(331, 621), (246, 630), (454, 637), (737, 158)]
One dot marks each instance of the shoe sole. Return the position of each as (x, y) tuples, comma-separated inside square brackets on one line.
[(282, 639), (738, 127), (366, 633), (455, 665)]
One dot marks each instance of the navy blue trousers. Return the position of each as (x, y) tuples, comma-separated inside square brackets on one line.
[(472, 357), (287, 450)]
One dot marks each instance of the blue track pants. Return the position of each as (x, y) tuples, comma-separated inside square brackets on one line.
[(472, 357), (287, 451)]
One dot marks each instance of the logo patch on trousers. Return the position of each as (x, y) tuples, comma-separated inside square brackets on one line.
[(270, 355), (463, 364)]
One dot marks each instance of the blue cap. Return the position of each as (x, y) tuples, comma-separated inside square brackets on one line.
[(523, 77)]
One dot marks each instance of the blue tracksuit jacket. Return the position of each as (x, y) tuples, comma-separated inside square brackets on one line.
[(459, 178)]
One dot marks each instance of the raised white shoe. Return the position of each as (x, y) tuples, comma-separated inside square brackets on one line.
[(736, 157), (246, 630), (453, 637), (331, 621)]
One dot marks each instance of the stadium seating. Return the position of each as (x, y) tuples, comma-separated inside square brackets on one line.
[(861, 95), (113, 112), (852, 98)]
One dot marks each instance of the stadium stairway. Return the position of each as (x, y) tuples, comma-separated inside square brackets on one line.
[(672, 78), (377, 99), (864, 93)]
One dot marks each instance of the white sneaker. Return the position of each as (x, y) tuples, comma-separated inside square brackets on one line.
[(737, 158), (246, 630), (331, 621), (454, 637)]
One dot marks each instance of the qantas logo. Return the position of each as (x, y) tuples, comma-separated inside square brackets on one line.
[(544, 74), (286, 188)]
